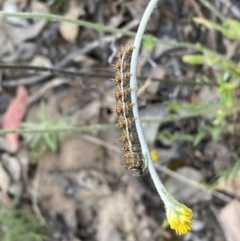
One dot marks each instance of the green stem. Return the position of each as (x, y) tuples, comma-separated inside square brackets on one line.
[(208, 5), (97, 127), (133, 84), (101, 27), (67, 129), (52, 17)]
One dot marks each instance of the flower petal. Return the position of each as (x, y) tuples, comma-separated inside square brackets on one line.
[(179, 218)]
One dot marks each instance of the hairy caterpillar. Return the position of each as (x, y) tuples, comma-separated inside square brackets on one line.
[(126, 121)]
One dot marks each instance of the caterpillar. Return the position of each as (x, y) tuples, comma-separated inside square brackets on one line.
[(126, 120)]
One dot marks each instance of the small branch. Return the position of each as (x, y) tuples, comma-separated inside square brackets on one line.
[(193, 183), (175, 117), (6, 83), (50, 70), (102, 143)]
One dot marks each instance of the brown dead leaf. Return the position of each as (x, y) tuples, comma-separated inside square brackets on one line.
[(12, 165), (232, 186), (136, 7), (28, 31), (53, 199), (91, 183), (4, 179), (41, 61), (14, 115), (69, 31), (116, 210), (5, 200), (12, 7), (230, 219), (39, 7), (158, 71), (89, 114), (157, 111), (76, 153), (4, 39)]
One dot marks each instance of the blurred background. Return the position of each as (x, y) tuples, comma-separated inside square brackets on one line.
[(62, 175)]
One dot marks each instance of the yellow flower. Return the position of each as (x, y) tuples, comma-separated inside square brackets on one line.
[(154, 155), (180, 218)]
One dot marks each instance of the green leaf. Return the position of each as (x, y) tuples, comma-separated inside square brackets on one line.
[(232, 29), (198, 138), (226, 174), (175, 137), (100, 27), (211, 185), (149, 42), (35, 140), (20, 225), (41, 113), (49, 141), (193, 59), (229, 28), (188, 106)]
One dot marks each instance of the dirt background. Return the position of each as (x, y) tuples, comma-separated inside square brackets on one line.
[(76, 183)]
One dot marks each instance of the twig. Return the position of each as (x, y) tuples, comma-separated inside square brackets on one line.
[(102, 143), (67, 59), (58, 71), (193, 183), (54, 83), (143, 88)]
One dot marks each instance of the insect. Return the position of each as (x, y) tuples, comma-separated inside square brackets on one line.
[(126, 120)]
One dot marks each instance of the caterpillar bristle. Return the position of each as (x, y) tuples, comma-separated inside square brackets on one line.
[(126, 120)]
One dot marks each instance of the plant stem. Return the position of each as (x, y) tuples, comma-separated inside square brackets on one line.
[(133, 84), (208, 5), (101, 27), (89, 128), (89, 73), (52, 17), (67, 129)]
